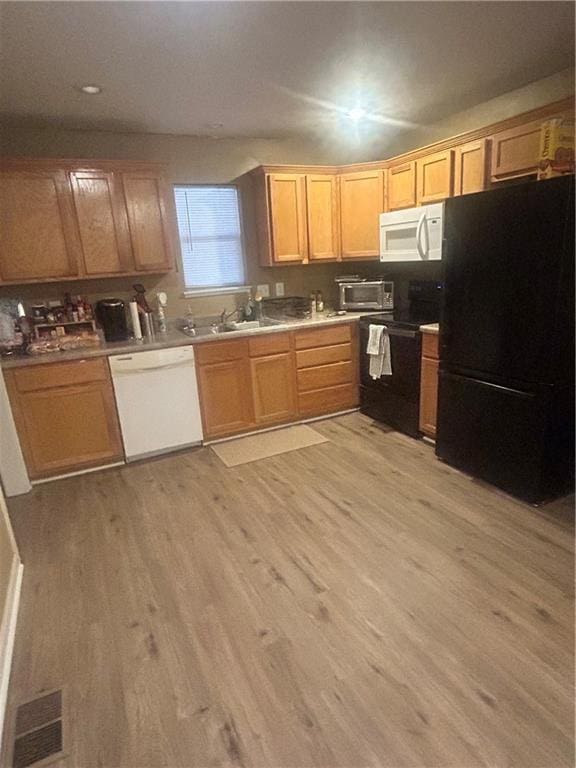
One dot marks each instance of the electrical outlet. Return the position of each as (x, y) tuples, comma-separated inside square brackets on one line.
[(263, 290), (279, 288)]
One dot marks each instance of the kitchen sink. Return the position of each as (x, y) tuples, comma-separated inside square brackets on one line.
[(249, 325), (244, 325)]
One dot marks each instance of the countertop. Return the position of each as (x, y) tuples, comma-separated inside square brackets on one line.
[(431, 328), (173, 338)]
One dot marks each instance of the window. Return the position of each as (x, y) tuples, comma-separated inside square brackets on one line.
[(210, 237)]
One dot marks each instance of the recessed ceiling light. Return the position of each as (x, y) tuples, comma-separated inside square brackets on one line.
[(356, 114), (92, 90)]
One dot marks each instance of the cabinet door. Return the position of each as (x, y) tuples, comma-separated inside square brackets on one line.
[(470, 167), (515, 152), (273, 387), (67, 428), (323, 217), (38, 237), (225, 397), (428, 396), (287, 207), (147, 204), (434, 177), (102, 223), (361, 203), (402, 186)]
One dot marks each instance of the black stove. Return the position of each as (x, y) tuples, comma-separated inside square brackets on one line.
[(395, 399)]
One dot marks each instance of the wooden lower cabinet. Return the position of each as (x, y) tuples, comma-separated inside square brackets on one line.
[(273, 389), (429, 384), (276, 378), (66, 416), (226, 397), (327, 369)]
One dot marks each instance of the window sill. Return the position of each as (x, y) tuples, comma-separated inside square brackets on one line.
[(190, 293)]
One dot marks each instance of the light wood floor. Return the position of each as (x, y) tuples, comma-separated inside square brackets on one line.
[(356, 603)]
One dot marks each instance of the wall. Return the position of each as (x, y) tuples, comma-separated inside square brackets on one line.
[(10, 583), (536, 94), (190, 160)]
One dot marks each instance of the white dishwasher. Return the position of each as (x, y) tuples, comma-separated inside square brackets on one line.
[(157, 398)]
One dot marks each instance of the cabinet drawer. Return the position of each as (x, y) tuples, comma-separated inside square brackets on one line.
[(270, 344), (328, 400), (221, 351), (322, 337), (49, 375), (430, 345), (307, 358), (325, 376)]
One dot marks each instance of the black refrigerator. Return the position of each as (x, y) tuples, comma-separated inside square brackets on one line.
[(506, 388)]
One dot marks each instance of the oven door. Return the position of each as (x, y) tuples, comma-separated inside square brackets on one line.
[(393, 399), (361, 296)]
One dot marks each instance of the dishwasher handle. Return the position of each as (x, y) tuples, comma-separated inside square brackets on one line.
[(146, 369)]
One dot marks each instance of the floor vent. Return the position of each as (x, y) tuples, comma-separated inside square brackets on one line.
[(38, 731)]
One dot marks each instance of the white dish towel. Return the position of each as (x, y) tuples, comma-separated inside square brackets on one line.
[(378, 348)]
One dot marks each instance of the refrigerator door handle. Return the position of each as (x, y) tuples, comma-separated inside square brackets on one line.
[(421, 252)]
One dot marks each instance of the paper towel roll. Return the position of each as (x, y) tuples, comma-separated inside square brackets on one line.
[(136, 329)]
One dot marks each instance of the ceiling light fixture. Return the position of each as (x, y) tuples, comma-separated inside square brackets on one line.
[(91, 90), (356, 114)]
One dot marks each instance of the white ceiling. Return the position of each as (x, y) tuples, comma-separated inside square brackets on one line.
[(270, 68)]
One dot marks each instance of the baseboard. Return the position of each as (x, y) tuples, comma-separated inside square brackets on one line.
[(8, 634)]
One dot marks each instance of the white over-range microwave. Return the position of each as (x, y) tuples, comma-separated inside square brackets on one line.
[(414, 234)]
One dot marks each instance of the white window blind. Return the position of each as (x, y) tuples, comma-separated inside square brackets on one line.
[(210, 236)]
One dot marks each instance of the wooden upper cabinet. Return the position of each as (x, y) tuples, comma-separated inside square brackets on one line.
[(361, 203), (515, 152), (470, 166), (38, 236), (434, 177), (102, 222), (147, 205), (287, 211), (323, 217), (401, 186)]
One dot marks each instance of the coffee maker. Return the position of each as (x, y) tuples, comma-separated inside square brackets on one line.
[(111, 314)]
